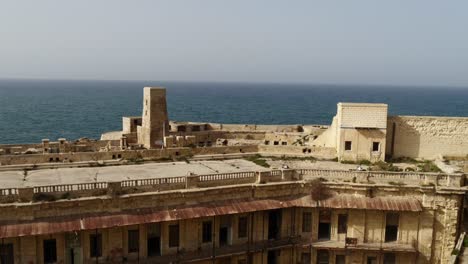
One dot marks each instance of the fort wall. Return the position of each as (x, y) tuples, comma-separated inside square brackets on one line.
[(427, 136)]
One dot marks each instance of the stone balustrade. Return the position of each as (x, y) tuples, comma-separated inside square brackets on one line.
[(67, 191)]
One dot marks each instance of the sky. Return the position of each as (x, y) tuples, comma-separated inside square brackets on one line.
[(397, 42)]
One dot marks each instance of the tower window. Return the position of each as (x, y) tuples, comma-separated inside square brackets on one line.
[(347, 145), (375, 146)]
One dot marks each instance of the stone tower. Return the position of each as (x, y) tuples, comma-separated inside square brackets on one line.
[(155, 123)]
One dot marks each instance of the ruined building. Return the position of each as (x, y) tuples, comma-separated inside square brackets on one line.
[(162, 191)]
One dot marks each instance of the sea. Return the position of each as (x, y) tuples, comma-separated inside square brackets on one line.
[(31, 110)]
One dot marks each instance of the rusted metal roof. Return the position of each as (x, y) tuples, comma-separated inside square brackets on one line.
[(154, 215)]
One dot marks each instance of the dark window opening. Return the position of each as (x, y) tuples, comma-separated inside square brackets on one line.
[(153, 244), (207, 228), (389, 258), (371, 260), (340, 259), (133, 241), (95, 245), (196, 128), (113, 156), (201, 144), (57, 159), (306, 222), (274, 224), (177, 153), (304, 150), (50, 251), (174, 235), (223, 235), (309, 150), (275, 143), (6, 254), (272, 257), (284, 143), (242, 227), (267, 142), (305, 258), (323, 257), (342, 223), (51, 159), (375, 146), (181, 129), (347, 145), (119, 156), (324, 225), (391, 227), (209, 143)]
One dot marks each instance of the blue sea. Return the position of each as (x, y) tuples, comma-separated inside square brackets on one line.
[(34, 109)]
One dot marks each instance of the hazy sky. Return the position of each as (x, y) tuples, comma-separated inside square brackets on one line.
[(416, 42)]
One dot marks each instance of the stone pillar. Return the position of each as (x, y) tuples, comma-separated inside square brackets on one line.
[(62, 145), (26, 194), (114, 188), (123, 143), (155, 122), (191, 181), (45, 145)]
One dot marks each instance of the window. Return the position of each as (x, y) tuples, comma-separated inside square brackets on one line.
[(371, 260), (174, 235), (306, 222), (375, 146), (133, 241), (305, 258), (95, 245), (389, 258), (347, 145), (340, 259), (242, 227), (323, 257), (6, 254), (391, 227), (153, 243), (181, 129), (324, 225), (196, 128), (207, 228), (50, 251), (274, 224), (267, 142), (342, 223), (275, 143), (284, 143)]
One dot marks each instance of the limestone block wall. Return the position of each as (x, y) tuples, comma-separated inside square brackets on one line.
[(427, 137)]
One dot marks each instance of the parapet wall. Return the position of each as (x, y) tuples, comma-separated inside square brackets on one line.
[(427, 136)]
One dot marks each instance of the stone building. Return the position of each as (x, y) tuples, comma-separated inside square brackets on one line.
[(162, 191)]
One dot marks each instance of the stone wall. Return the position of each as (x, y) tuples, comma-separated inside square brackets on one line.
[(427, 137)]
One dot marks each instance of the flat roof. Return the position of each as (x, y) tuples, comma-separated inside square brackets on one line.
[(44, 177)]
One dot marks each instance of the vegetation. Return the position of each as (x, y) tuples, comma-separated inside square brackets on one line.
[(312, 159), (428, 166), (383, 166), (402, 160), (257, 159)]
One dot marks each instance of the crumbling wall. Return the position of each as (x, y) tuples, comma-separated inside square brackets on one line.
[(427, 136)]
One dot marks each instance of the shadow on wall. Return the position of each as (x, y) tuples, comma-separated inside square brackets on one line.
[(403, 140)]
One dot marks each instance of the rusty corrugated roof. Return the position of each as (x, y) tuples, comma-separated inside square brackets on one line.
[(154, 215)]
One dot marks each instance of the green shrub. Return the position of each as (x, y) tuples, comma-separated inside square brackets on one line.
[(428, 166)]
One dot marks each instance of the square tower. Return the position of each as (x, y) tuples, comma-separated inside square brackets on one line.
[(155, 122), (361, 131)]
